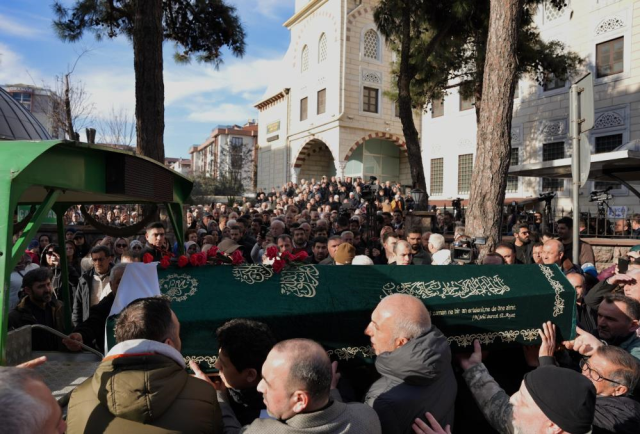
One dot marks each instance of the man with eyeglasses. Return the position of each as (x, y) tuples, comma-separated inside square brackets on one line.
[(522, 241), (92, 286), (614, 373)]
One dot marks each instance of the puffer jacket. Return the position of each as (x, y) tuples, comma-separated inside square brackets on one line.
[(142, 387), (616, 414), (416, 378)]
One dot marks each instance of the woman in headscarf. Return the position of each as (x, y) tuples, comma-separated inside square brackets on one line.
[(136, 247), (50, 259), (190, 248)]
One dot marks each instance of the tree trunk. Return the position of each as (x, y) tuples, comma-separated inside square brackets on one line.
[(147, 63), (493, 151), (67, 109), (405, 75)]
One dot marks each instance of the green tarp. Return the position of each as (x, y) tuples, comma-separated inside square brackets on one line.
[(500, 305)]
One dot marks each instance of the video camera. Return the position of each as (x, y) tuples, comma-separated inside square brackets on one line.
[(601, 195), (465, 250), (368, 191)]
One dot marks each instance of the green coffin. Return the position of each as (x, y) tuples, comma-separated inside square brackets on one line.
[(499, 305)]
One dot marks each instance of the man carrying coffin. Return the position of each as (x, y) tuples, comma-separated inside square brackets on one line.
[(414, 359)]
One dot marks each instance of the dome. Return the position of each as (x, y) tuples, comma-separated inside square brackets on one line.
[(17, 123)]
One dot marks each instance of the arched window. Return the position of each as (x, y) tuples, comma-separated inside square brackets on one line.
[(322, 48), (371, 45), (305, 59)]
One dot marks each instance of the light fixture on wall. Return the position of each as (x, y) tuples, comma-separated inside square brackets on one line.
[(420, 199)]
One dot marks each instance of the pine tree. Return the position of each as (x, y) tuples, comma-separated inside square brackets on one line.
[(198, 28)]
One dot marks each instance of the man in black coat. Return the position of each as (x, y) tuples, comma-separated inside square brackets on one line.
[(39, 307), (91, 332)]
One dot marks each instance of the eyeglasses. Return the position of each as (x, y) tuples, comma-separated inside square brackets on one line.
[(593, 374), (51, 253), (121, 245), (137, 247)]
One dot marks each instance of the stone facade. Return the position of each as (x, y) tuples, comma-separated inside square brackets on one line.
[(335, 53), (541, 114)]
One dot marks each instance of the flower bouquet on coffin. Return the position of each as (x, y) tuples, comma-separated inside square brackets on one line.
[(279, 260), (225, 253)]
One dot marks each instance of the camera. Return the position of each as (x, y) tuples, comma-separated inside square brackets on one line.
[(368, 191), (601, 195), (465, 249)]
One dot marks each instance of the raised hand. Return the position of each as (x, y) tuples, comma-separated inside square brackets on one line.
[(475, 358), (548, 335), (585, 343)]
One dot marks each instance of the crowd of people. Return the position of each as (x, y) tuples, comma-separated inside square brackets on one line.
[(583, 385)]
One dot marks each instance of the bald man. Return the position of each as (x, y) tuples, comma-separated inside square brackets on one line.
[(296, 381), (414, 359), (553, 253)]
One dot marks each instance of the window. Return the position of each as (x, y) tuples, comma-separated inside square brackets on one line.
[(322, 101), (553, 83), (516, 93), (608, 143), (371, 45), (465, 169), (381, 158), (304, 62), (512, 181), (396, 109), (552, 184), (235, 149), (610, 57), (322, 48), (303, 109), (466, 103), (437, 108), (23, 98), (370, 99), (552, 151), (437, 175)]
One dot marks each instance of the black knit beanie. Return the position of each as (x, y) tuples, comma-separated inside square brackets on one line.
[(566, 397)]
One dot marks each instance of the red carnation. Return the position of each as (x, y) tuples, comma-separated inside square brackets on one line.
[(278, 265), (193, 259), (202, 258), (182, 261), (147, 257), (237, 258), (286, 256), (272, 252), (301, 256), (165, 261), (212, 252)]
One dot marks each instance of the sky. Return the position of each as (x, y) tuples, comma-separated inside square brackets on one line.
[(197, 96)]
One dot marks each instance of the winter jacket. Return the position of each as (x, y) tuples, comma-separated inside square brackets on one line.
[(82, 298), (616, 414), (41, 340), (142, 387), (93, 328), (416, 378)]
